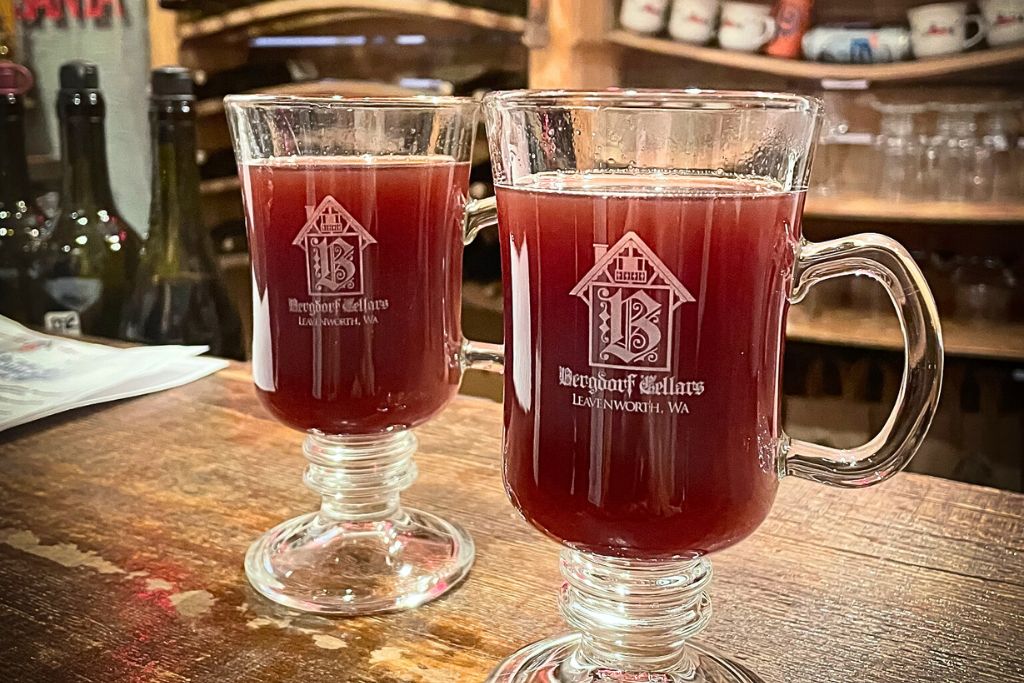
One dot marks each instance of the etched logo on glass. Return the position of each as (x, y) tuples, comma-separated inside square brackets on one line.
[(334, 242), (632, 297)]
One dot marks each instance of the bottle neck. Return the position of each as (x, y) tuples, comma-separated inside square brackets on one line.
[(14, 183), (86, 179), (175, 230)]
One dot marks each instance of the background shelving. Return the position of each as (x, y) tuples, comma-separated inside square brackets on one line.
[(873, 209), (916, 70), (844, 327)]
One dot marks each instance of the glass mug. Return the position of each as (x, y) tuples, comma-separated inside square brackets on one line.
[(354, 209), (651, 247)]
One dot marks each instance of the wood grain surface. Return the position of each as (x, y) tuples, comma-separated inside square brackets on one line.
[(122, 530)]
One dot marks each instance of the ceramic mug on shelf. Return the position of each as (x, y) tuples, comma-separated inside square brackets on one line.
[(941, 29), (1005, 21), (693, 21), (746, 26), (857, 45), (643, 16)]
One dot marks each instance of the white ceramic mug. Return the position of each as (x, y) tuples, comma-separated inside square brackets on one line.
[(1005, 21), (746, 26), (856, 45), (643, 16), (941, 29), (693, 21)]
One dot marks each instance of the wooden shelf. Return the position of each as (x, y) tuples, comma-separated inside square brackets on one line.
[(849, 327), (220, 186), (346, 88), (890, 211), (791, 68), (276, 10)]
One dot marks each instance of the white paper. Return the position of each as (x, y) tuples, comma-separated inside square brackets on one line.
[(42, 375)]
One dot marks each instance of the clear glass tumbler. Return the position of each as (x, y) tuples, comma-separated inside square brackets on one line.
[(651, 248), (355, 215), (899, 151), (983, 289), (957, 159), (999, 135)]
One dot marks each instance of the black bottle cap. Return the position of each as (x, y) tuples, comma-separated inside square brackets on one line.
[(79, 75), (173, 82)]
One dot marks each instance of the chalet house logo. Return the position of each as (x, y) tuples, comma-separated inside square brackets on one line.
[(334, 242), (632, 297)]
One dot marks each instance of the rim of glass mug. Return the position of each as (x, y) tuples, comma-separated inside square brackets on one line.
[(640, 133), (399, 102), (685, 99)]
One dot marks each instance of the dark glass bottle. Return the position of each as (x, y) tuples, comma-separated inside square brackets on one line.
[(21, 220), (88, 261), (178, 296)]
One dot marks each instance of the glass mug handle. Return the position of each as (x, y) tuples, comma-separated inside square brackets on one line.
[(480, 214), (886, 261)]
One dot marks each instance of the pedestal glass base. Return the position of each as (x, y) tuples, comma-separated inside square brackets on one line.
[(635, 621), (362, 552), (554, 661), (317, 564)]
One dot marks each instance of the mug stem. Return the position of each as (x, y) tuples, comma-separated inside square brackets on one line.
[(635, 616), (635, 621), (359, 477)]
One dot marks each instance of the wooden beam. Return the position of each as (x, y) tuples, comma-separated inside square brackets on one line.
[(163, 35), (576, 55), (279, 9)]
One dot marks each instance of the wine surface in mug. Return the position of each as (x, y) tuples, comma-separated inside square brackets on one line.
[(357, 270), (644, 332)]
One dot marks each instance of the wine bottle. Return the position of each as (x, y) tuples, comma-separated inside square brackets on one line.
[(217, 164), (21, 220), (178, 296), (88, 261)]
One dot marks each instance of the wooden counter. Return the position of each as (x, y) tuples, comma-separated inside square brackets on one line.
[(122, 530)]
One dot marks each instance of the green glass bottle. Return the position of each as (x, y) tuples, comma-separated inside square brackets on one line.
[(21, 220), (88, 261), (178, 296)]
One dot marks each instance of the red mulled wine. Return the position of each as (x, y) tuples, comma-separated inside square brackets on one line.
[(357, 269), (644, 337)]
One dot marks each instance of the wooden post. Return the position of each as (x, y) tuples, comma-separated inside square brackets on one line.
[(163, 35), (576, 55), (8, 29)]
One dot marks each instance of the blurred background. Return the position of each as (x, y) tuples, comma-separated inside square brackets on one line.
[(922, 141)]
